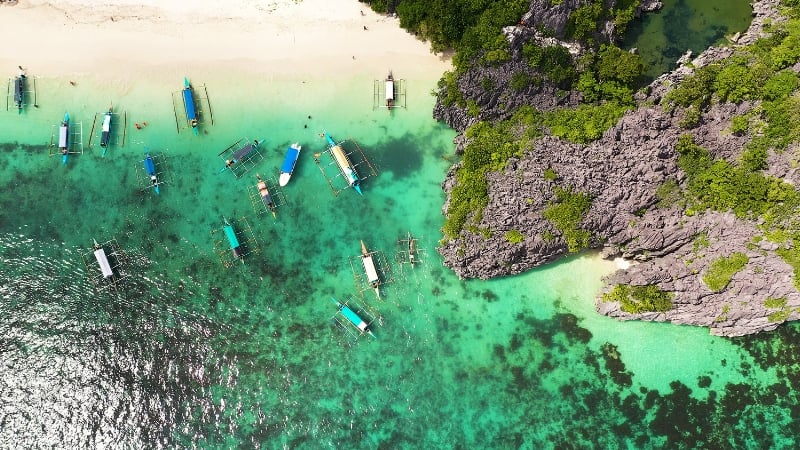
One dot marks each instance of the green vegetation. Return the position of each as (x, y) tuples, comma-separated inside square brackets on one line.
[(726, 308), (550, 174), (554, 62), (669, 194), (585, 21), (721, 271), (779, 316), (640, 299), (586, 123), (691, 118), (791, 255), (514, 237), (774, 303), (470, 26), (521, 81), (739, 125), (700, 242), (721, 186), (566, 214), (488, 150)]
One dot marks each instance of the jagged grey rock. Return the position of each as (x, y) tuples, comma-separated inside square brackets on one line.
[(621, 172)]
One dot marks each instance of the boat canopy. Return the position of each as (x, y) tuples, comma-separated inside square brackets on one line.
[(63, 136), (389, 89), (188, 101), (149, 165), (354, 318), (289, 161), (232, 239), (340, 156), (18, 87), (369, 268), (102, 260), (244, 151), (107, 122)]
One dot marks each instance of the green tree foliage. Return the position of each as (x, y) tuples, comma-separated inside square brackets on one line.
[(586, 123), (739, 125), (566, 214), (640, 299), (695, 90), (584, 21), (735, 83), (787, 52), (721, 186), (610, 76), (614, 63), (722, 270), (486, 37), (470, 26), (783, 121), (554, 62), (449, 92), (692, 158)]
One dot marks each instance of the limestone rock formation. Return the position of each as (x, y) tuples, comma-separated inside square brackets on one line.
[(621, 172)]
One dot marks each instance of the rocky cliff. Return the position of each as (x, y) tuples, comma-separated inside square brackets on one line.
[(621, 172)]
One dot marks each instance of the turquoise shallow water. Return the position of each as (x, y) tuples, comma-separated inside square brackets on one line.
[(188, 353)]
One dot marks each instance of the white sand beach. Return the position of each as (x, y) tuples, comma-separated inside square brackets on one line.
[(152, 38)]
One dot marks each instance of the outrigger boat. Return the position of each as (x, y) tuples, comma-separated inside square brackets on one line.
[(188, 104), (292, 154), (150, 168), (19, 88), (353, 318), (63, 139), (263, 191), (389, 91), (369, 268), (230, 233), (412, 249), (102, 260), (344, 163), (241, 154), (105, 135)]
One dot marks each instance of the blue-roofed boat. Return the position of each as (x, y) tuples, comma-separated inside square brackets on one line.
[(353, 317), (188, 104), (344, 163), (105, 131), (230, 233), (150, 168), (63, 139), (289, 161)]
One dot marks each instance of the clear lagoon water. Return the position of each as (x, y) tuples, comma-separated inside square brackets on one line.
[(187, 353), (664, 36)]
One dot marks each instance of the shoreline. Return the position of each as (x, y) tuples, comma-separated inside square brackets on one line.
[(133, 38)]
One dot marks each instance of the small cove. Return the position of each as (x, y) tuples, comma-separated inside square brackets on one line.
[(663, 36)]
